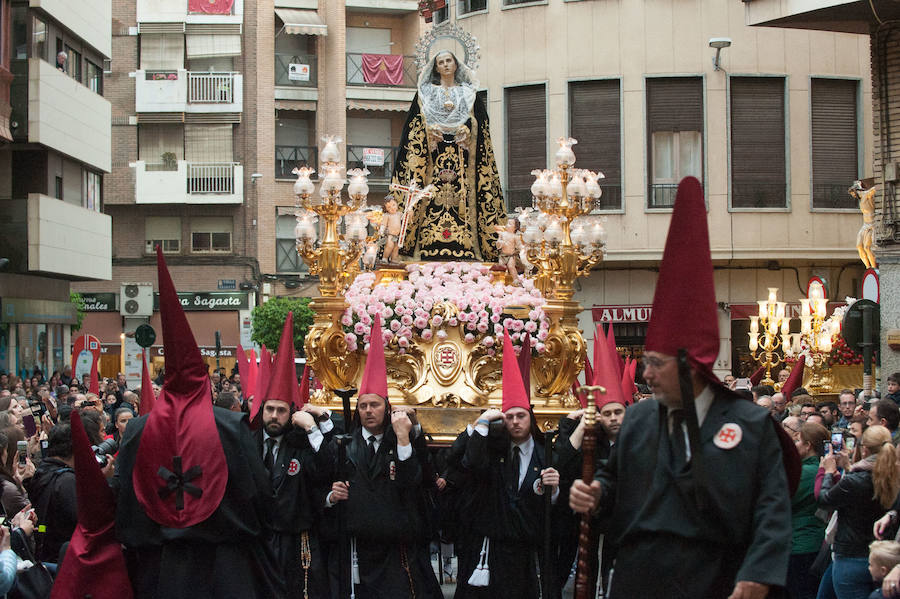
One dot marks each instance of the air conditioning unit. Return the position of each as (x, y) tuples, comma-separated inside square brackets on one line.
[(136, 299)]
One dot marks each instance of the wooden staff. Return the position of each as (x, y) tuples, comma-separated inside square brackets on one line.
[(588, 444)]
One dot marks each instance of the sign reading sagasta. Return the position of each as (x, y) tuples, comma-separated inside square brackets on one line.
[(209, 301)]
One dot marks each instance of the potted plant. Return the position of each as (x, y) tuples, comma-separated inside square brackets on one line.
[(170, 161)]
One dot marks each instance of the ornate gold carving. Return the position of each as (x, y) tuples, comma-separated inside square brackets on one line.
[(446, 362)]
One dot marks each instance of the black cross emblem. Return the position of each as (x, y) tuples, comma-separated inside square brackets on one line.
[(179, 481)]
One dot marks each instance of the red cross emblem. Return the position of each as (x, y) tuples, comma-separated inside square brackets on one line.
[(728, 436), (447, 356), (293, 467)]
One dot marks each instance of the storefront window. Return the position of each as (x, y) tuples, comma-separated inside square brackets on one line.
[(31, 348)]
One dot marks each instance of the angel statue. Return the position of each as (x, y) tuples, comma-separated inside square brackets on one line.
[(865, 239), (446, 142)]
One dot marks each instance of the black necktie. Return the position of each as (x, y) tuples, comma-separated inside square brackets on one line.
[(269, 459), (516, 465), (676, 438), (371, 449)]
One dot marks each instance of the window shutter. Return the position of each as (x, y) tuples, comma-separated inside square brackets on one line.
[(155, 139), (526, 140), (595, 120), (835, 150), (162, 227), (675, 104), (758, 176), (162, 51), (208, 143), (212, 224)]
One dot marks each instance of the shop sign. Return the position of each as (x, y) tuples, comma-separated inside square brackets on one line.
[(208, 302), (622, 313), (99, 302), (206, 352), (35, 311), (373, 156)]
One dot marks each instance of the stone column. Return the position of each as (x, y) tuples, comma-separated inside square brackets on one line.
[(331, 113)]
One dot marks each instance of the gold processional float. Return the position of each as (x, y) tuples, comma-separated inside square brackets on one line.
[(448, 370)]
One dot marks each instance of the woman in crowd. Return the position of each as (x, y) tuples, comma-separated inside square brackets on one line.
[(12, 494), (808, 529), (122, 416), (861, 496)]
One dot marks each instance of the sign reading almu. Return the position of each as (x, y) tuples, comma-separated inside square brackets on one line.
[(621, 313)]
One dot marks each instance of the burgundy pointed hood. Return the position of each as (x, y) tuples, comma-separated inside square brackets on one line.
[(685, 286), (180, 471), (94, 564)]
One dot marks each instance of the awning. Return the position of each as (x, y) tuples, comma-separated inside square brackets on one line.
[(389, 105), (309, 105), (210, 46), (301, 22)]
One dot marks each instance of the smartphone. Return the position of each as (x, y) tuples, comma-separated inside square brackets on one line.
[(22, 449), (837, 441), (850, 442), (826, 447), (29, 424)]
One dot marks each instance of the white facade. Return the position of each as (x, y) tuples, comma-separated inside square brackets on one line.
[(91, 20), (67, 116), (175, 11), (68, 240)]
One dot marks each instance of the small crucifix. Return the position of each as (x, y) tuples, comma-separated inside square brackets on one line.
[(412, 194)]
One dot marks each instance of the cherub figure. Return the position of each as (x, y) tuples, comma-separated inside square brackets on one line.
[(865, 239), (391, 226), (509, 243)]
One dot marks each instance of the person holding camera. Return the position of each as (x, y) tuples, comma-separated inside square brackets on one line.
[(867, 488), (808, 530), (52, 493)]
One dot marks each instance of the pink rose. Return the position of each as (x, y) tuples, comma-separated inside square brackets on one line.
[(437, 320), (346, 320), (471, 326), (366, 320), (403, 342), (407, 320), (539, 348), (350, 338), (359, 328), (453, 322), (420, 322), (482, 327), (531, 326), (395, 325), (542, 335), (495, 317), (427, 335), (469, 338), (488, 341)]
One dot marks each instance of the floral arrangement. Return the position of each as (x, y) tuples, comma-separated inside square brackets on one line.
[(842, 355), (443, 295)]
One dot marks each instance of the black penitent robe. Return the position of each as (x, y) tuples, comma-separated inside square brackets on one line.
[(511, 518), (297, 507), (458, 222), (382, 516), (223, 557), (744, 530)]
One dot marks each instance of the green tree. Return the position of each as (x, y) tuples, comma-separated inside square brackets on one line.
[(268, 320), (78, 302)]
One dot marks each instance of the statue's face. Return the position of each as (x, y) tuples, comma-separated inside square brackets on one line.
[(446, 64)]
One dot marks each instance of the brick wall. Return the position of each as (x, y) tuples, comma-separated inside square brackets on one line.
[(885, 60)]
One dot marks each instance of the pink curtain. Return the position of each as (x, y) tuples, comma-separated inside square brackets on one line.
[(383, 68), (212, 7)]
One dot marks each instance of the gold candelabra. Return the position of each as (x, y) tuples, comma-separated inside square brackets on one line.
[(771, 319), (562, 242), (817, 331)]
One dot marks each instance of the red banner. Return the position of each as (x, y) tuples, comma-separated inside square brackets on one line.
[(211, 7), (386, 69)]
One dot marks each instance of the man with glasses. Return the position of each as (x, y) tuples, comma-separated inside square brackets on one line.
[(807, 409), (696, 481), (792, 425), (779, 407), (847, 406)]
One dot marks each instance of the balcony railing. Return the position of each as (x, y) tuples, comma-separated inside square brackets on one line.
[(289, 157), (358, 157), (758, 195), (356, 74), (661, 195), (211, 178), (833, 196), (210, 88), (289, 70)]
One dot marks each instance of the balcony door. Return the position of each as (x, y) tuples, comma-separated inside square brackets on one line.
[(365, 40)]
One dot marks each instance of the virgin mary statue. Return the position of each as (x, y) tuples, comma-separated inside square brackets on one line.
[(446, 143)]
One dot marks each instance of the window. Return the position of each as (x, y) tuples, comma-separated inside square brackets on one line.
[(161, 145), (286, 257), (73, 63), (208, 143), (94, 79), (441, 14), (211, 234), (91, 190), (835, 146), (467, 6), (758, 172), (162, 51), (526, 141), (595, 120), (58, 188), (675, 136), (38, 38), (163, 231)]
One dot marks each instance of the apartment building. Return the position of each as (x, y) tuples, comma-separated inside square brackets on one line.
[(55, 151), (214, 104)]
